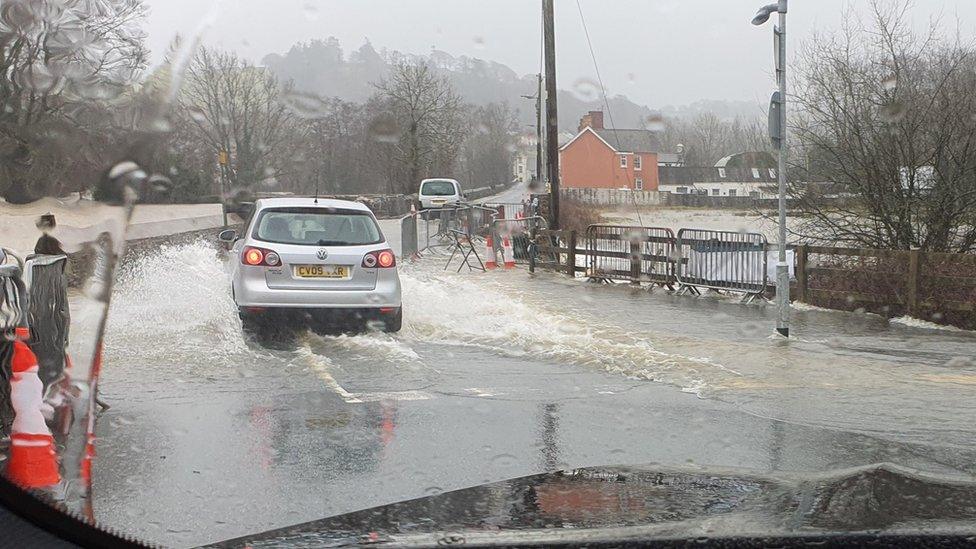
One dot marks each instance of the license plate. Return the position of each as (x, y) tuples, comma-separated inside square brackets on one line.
[(322, 271)]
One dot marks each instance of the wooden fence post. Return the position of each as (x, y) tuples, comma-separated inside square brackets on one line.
[(635, 261), (571, 255), (912, 304), (801, 273), (533, 246)]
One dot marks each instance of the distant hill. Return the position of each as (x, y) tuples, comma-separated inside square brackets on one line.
[(324, 68)]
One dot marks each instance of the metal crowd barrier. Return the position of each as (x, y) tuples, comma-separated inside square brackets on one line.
[(722, 260), (409, 246), (510, 210), (48, 314), (635, 254), (434, 227), (13, 315), (519, 231)]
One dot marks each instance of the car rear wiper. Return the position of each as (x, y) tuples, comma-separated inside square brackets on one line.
[(332, 243)]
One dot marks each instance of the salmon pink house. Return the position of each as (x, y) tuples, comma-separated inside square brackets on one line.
[(601, 158)]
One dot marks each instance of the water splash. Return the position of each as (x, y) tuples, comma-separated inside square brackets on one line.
[(455, 310)]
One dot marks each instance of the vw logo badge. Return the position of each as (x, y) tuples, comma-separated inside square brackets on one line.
[(322, 254)]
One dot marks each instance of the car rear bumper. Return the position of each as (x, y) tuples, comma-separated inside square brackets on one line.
[(331, 313), (428, 203), (254, 292)]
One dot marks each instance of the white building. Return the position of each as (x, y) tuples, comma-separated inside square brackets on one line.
[(718, 181)]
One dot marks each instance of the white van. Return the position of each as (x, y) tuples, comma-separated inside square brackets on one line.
[(437, 193)]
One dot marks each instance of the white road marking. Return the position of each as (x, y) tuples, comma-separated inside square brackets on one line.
[(395, 395), (320, 365), (479, 392), (331, 383)]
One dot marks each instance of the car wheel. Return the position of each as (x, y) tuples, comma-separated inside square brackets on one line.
[(392, 325)]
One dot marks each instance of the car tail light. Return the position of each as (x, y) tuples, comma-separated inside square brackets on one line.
[(380, 258), (260, 256)]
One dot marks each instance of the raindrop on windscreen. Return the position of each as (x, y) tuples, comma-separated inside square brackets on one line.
[(311, 11), (655, 123), (890, 83), (504, 460), (20, 15), (479, 42), (586, 89), (961, 362), (160, 124), (98, 91), (197, 114), (751, 329), (159, 183), (892, 113), (306, 105), (631, 78), (384, 128)]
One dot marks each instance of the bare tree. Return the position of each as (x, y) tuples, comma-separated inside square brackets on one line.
[(64, 66), (707, 138), (239, 108), (887, 116), (489, 146), (430, 120)]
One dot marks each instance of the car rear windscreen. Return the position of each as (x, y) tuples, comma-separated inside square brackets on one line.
[(438, 188), (317, 227)]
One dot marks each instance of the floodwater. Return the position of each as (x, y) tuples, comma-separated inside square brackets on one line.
[(849, 371), (494, 375)]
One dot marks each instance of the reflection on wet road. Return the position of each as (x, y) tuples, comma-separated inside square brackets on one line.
[(494, 376)]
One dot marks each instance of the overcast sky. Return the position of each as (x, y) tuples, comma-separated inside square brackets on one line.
[(657, 52)]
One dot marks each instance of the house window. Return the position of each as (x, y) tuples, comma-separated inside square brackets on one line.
[(681, 190), (755, 173), (731, 192), (716, 192), (721, 173), (623, 161), (639, 183), (772, 173), (637, 162)]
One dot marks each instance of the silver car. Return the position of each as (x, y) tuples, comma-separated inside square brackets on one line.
[(320, 261)]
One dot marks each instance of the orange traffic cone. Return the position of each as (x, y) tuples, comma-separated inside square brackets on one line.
[(508, 254), (33, 462), (490, 260)]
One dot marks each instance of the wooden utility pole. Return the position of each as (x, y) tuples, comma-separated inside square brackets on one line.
[(538, 133), (552, 125)]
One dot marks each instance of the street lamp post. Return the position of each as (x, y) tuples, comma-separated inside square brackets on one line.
[(778, 135)]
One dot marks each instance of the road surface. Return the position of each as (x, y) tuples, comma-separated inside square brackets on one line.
[(495, 375)]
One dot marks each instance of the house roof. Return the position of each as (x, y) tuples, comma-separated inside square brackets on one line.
[(628, 141), (751, 159), (637, 141), (688, 175)]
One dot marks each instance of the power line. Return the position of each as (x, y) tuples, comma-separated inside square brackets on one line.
[(606, 103)]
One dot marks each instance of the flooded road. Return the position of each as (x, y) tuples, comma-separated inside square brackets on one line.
[(497, 375)]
